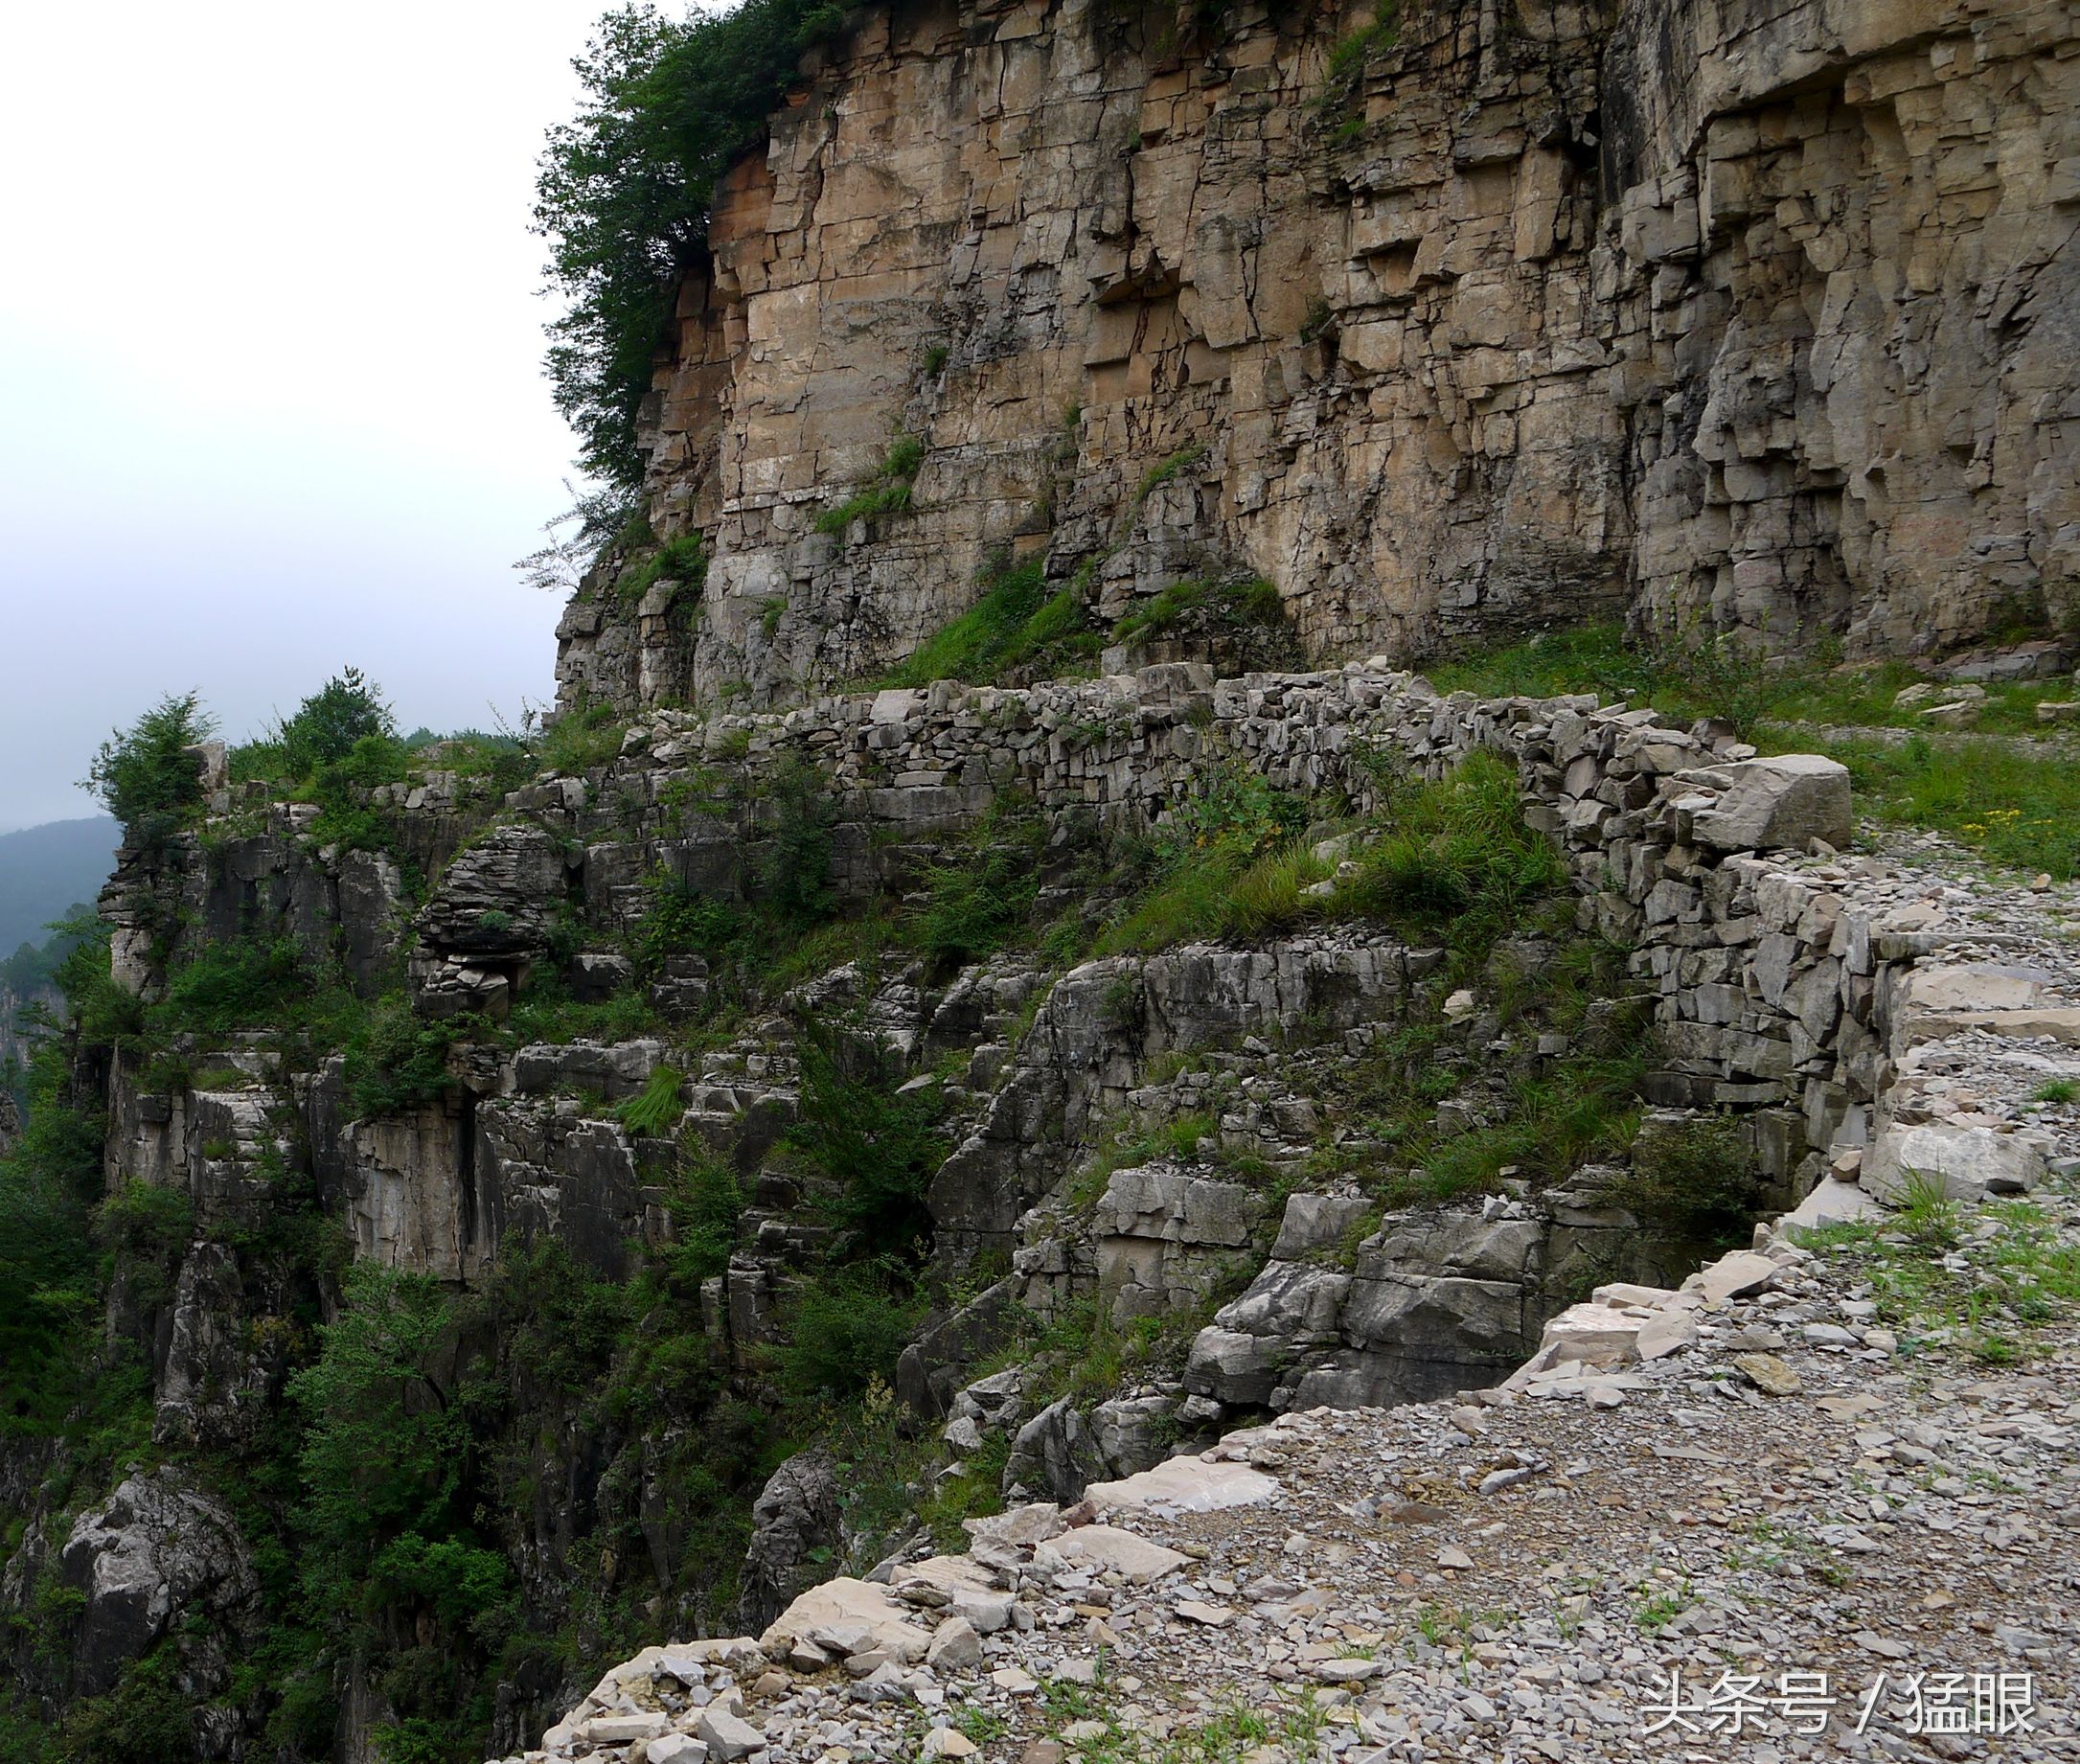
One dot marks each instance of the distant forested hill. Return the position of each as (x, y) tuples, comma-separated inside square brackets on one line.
[(46, 870)]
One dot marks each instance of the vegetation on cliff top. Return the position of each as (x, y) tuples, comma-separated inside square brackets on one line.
[(625, 191), (2007, 787)]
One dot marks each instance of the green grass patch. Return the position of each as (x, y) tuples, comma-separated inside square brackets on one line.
[(683, 559), (1456, 860), (886, 492), (1231, 604), (655, 1109), (2016, 809), (1016, 624), (1173, 466), (982, 892), (1941, 1288), (586, 734)]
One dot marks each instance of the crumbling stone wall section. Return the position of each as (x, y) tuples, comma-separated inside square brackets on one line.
[(1757, 317)]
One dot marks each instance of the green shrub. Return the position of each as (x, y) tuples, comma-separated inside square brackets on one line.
[(144, 1222), (224, 987), (683, 559), (341, 788), (142, 774), (395, 1061), (705, 1204), (385, 1449), (1699, 1179), (624, 190), (1345, 78), (655, 1109), (1457, 860), (343, 713), (586, 734), (985, 889), (795, 870), (1228, 865), (148, 1718), (681, 921), (1173, 467), (886, 490), (844, 1333), (1230, 603), (881, 1147), (1016, 624)]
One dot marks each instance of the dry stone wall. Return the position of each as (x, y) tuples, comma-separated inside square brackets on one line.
[(1770, 987), (1756, 316)]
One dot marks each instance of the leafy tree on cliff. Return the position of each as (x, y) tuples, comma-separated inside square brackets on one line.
[(624, 192), (346, 709), (144, 776)]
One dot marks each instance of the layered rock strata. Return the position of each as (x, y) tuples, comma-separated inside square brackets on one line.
[(1747, 318)]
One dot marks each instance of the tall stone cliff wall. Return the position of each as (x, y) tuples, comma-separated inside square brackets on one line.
[(1755, 315)]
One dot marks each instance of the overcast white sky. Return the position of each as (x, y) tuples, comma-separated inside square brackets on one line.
[(270, 393)]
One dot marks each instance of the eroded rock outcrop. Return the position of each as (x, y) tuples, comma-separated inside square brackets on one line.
[(1756, 318), (157, 1551)]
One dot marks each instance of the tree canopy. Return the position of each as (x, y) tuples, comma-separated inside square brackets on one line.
[(625, 188)]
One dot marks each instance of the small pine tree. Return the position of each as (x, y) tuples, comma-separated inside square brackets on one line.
[(145, 775)]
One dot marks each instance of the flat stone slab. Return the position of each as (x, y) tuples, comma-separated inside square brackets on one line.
[(1833, 1202), (1665, 1333), (1099, 1548), (1183, 1486), (841, 1607), (1734, 1275), (2051, 1022), (1971, 1162)]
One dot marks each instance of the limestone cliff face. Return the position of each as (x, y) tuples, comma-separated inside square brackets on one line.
[(1757, 315)]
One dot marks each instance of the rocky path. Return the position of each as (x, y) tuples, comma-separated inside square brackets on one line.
[(1823, 1500), (1835, 1509)]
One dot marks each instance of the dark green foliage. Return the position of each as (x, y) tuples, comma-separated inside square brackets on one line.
[(845, 1333), (148, 1228), (984, 891), (1016, 625), (145, 1719), (886, 492), (1344, 81), (624, 192), (395, 1061), (586, 734), (705, 1204), (681, 921), (1457, 860), (47, 1265), (1230, 603), (794, 867), (347, 710), (384, 1446), (143, 775), (1227, 865), (1697, 1178), (683, 559), (881, 1147), (228, 986)]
